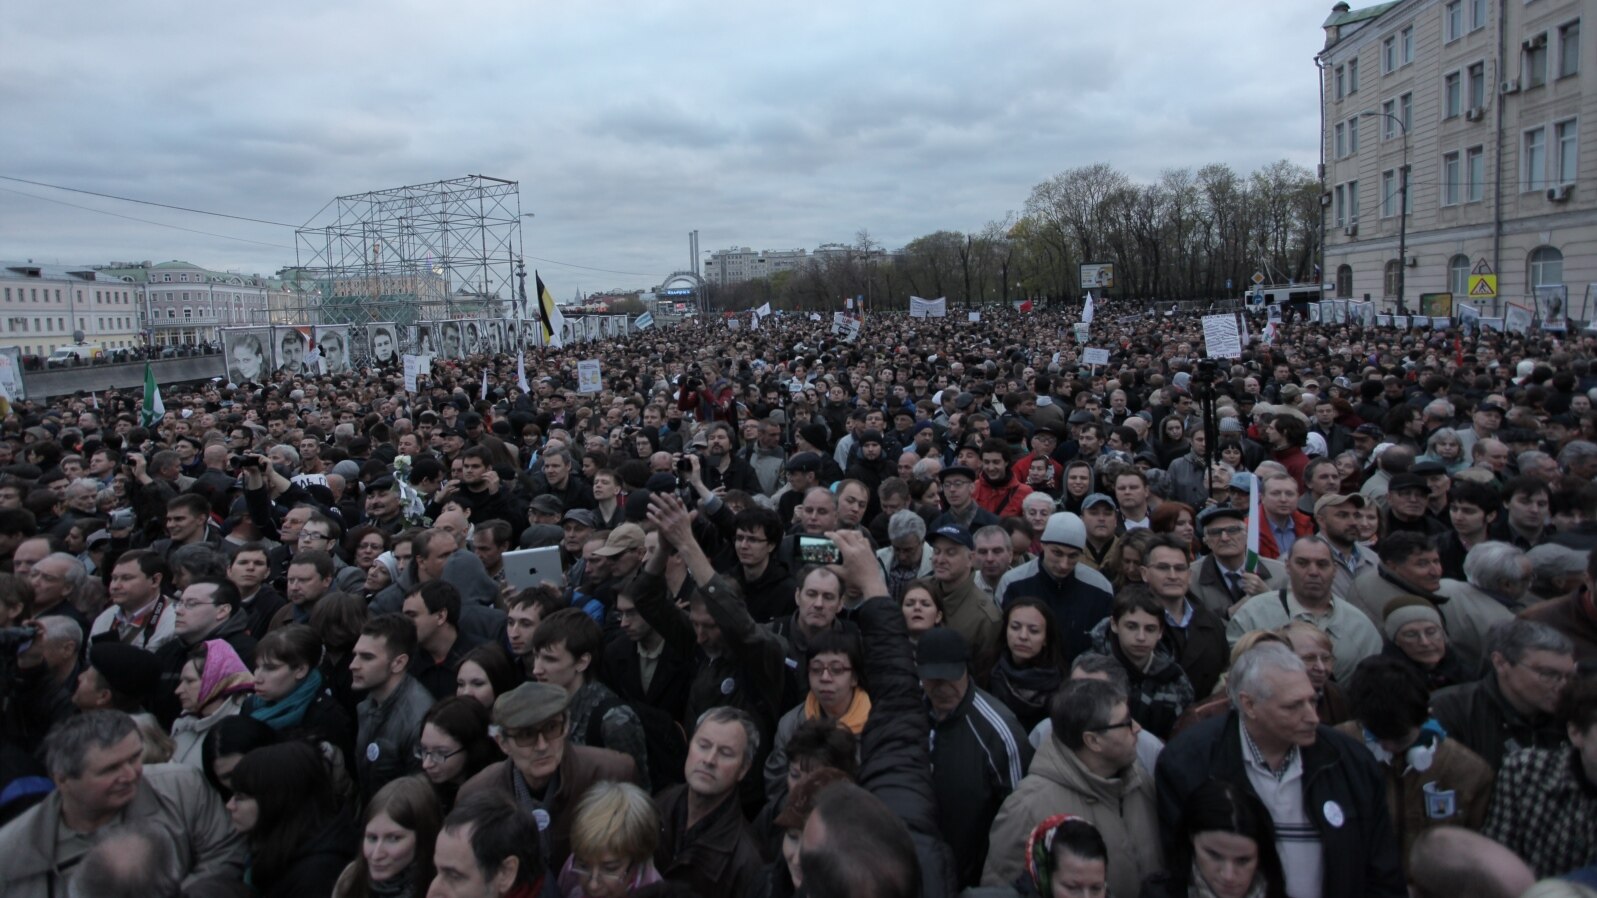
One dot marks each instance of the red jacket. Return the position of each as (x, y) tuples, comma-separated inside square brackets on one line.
[(1023, 467), (1003, 501), (1296, 462), (1302, 525)]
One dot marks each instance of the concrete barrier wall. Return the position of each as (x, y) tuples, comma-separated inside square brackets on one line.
[(51, 382)]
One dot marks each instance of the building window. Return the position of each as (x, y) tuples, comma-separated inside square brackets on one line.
[(1394, 276), (1475, 173), (1477, 14), (1458, 275), (1341, 140), (1452, 165), (1405, 111), (1340, 205), (1453, 20), (184, 277), (1405, 45), (1340, 78), (1533, 168), (166, 278), (1352, 136), (1352, 202), (1389, 55), (1388, 120), (1353, 75), (1569, 49), (1477, 86), (1452, 95), (1546, 267), (1567, 147), (1344, 281), (1535, 61), (1388, 193)]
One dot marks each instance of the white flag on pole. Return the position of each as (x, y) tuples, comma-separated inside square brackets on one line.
[(1087, 310), (521, 371)]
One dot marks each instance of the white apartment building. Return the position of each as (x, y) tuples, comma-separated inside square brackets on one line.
[(41, 306), (1485, 100), (739, 264)]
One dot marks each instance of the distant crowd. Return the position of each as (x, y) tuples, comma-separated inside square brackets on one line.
[(933, 610)]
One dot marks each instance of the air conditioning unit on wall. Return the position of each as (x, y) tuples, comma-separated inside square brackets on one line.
[(1560, 193), (1474, 114), (1511, 86), (1351, 230)]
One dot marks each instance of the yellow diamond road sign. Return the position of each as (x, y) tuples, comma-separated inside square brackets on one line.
[(1482, 286)]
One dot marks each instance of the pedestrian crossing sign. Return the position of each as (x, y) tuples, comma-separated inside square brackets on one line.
[(1482, 281)]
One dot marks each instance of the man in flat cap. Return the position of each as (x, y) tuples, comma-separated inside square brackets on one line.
[(545, 774)]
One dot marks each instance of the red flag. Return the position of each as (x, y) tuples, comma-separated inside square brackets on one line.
[(1026, 306), (1458, 351)]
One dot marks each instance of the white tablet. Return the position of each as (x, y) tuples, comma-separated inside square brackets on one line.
[(530, 567)]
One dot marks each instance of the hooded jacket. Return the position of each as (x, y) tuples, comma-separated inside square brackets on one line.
[(1157, 695), (1123, 809)]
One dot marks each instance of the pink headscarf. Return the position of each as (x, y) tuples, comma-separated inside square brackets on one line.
[(224, 673)]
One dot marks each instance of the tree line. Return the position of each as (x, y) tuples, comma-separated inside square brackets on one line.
[(1182, 237)]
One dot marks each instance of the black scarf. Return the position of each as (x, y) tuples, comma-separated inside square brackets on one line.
[(1031, 687)]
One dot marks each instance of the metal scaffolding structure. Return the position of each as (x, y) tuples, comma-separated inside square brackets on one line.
[(440, 250)]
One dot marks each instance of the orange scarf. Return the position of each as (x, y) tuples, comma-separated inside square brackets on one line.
[(853, 720)]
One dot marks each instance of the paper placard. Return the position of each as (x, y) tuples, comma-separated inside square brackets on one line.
[(974, 317), (1517, 319), (1221, 338), (589, 380), (416, 367), (1091, 356)]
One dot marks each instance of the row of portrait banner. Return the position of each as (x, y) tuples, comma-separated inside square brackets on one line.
[(1548, 310), (254, 354)]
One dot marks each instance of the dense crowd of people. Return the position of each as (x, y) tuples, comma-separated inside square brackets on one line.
[(936, 610)]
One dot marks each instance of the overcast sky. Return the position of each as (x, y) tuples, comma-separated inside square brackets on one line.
[(769, 125)]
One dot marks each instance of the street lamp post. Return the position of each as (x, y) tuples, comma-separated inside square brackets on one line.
[(1402, 209)]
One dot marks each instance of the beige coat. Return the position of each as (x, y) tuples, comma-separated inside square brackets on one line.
[(173, 798), (1122, 809)]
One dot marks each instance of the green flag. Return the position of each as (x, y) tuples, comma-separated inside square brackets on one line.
[(154, 408)]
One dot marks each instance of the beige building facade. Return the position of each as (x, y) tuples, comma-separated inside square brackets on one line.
[(1486, 102)]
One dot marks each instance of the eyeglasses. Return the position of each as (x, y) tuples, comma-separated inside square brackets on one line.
[(833, 670), (585, 873), (1549, 676), (311, 534), (550, 731), (433, 755), (1128, 722), (1224, 532)]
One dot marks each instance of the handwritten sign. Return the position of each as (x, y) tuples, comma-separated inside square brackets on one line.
[(1091, 356)]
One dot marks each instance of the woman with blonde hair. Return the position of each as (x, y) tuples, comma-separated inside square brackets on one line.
[(397, 836), (613, 837)]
